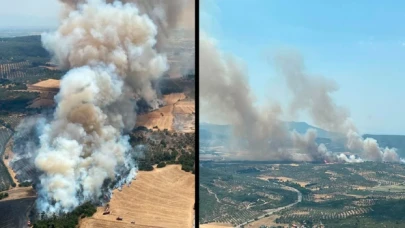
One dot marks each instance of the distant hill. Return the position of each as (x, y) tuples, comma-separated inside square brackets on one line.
[(23, 48), (223, 132), (397, 141), (302, 127)]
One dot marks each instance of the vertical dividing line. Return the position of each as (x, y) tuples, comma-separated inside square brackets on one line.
[(197, 112)]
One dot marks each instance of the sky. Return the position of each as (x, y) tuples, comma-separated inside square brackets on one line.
[(29, 13), (358, 43)]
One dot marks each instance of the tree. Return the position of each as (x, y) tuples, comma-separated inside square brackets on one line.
[(161, 165)]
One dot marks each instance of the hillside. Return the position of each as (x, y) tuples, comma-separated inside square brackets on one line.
[(24, 48), (163, 197), (397, 141), (213, 133)]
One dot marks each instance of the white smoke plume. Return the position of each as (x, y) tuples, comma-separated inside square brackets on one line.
[(308, 145), (313, 94), (167, 15), (110, 49), (349, 159), (225, 95)]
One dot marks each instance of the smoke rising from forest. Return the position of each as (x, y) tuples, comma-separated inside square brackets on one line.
[(313, 94), (113, 52), (226, 96)]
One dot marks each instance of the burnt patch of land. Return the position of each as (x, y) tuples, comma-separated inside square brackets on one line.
[(14, 213)]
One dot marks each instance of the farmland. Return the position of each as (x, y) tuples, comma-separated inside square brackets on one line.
[(161, 198), (177, 115), (234, 198), (158, 197), (332, 193)]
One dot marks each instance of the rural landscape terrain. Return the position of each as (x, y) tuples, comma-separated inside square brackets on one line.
[(297, 194), (163, 193)]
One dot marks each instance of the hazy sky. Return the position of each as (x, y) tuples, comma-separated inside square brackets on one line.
[(29, 13), (360, 44)]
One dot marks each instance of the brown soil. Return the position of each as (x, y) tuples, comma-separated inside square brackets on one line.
[(284, 179), (184, 107), (50, 83), (173, 98), (20, 193), (215, 225), (322, 197), (163, 118), (161, 198)]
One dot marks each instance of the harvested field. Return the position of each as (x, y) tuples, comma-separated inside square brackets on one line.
[(45, 86), (173, 98), (184, 107), (177, 115), (215, 225), (162, 118), (20, 193), (322, 197), (161, 198), (50, 83), (390, 188), (360, 187)]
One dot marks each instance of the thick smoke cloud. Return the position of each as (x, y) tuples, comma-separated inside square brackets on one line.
[(167, 15), (313, 94), (225, 95), (112, 54), (88, 36), (112, 61)]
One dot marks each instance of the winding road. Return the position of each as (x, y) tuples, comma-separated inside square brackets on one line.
[(210, 192), (271, 211)]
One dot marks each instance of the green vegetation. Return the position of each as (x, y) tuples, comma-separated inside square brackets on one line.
[(187, 162), (23, 48), (163, 146), (14, 101), (384, 213), (303, 190), (3, 195), (235, 197), (66, 220), (161, 165), (338, 195), (25, 184)]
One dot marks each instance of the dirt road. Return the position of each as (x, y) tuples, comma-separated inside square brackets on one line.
[(272, 211)]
